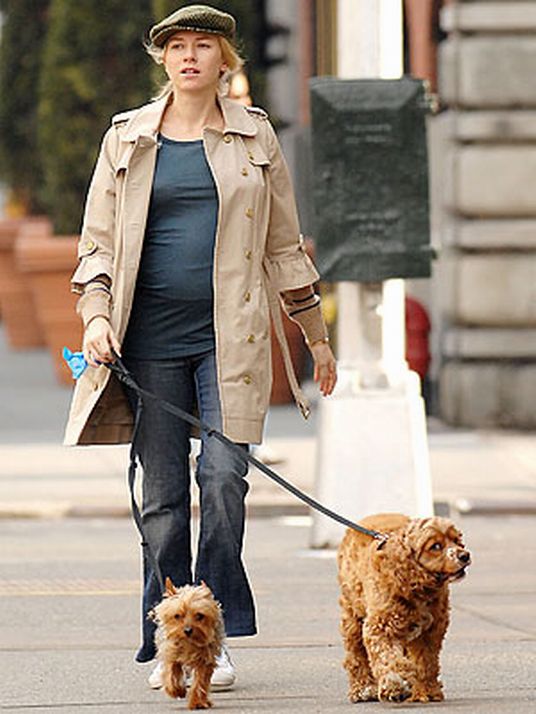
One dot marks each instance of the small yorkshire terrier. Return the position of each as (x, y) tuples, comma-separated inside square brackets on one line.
[(189, 636)]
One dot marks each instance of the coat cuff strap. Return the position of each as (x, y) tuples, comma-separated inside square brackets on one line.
[(312, 323)]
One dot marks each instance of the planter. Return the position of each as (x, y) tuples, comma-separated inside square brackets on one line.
[(49, 262), (17, 305)]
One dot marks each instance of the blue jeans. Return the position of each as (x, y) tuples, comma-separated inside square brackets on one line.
[(163, 446)]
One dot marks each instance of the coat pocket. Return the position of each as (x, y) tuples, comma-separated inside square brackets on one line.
[(257, 163), (256, 155)]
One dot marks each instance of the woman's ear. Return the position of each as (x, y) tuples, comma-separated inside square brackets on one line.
[(163, 61)]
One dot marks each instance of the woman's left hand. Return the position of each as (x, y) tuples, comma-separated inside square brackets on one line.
[(325, 367)]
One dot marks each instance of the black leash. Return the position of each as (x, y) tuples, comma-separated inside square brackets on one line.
[(122, 373)]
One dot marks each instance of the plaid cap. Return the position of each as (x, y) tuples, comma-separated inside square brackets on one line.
[(197, 18)]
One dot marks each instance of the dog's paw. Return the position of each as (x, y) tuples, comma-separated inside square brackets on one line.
[(394, 688), (435, 692), (424, 697), (366, 693), (175, 691), (424, 694), (197, 702)]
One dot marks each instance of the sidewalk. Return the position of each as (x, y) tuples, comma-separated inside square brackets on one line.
[(491, 471)]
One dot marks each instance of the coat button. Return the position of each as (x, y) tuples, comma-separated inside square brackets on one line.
[(251, 338), (247, 296), (90, 244), (227, 138), (249, 212), (248, 254), (250, 156), (95, 387), (247, 379), (245, 172)]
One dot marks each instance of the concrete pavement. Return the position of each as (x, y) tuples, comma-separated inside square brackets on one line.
[(69, 601), (69, 586)]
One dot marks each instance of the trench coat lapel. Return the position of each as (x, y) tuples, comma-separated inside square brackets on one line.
[(146, 121)]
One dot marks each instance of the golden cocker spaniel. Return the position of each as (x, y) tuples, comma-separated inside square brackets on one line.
[(395, 605)]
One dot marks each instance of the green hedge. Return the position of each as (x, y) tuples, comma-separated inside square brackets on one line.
[(66, 66), (94, 65), (21, 48)]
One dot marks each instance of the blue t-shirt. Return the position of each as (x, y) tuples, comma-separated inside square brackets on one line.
[(172, 312)]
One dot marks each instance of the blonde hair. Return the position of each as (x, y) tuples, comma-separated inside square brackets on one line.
[(230, 56)]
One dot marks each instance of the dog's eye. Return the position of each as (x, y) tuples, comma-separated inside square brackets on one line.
[(177, 616), (436, 546), (199, 616)]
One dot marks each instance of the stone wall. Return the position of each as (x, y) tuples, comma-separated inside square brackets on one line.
[(487, 77)]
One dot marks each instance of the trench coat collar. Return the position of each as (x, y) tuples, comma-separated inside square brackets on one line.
[(146, 121)]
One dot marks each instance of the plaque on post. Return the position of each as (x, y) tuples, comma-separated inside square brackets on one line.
[(370, 179)]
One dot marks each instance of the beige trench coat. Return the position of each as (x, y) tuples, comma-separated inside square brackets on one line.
[(258, 253)]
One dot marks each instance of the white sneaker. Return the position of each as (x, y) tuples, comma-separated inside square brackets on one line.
[(224, 676), (155, 678)]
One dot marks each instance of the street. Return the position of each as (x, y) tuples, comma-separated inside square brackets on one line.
[(69, 621)]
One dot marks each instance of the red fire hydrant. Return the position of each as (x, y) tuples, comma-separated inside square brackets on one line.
[(417, 331)]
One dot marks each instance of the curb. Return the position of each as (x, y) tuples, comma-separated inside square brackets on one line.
[(488, 507), (460, 506), (59, 511)]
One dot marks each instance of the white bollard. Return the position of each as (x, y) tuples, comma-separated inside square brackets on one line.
[(372, 455), (372, 443)]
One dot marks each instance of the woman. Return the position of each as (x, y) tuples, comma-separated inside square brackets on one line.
[(190, 241)]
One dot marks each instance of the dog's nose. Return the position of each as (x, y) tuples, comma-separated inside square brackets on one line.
[(464, 556), (188, 631)]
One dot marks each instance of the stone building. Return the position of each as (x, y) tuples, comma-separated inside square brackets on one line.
[(486, 282), (481, 57)]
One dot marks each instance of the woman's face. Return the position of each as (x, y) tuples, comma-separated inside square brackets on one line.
[(193, 61)]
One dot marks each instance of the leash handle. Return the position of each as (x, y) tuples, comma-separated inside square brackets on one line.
[(75, 361), (122, 373)]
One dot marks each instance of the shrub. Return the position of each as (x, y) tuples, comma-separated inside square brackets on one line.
[(23, 30), (94, 65)]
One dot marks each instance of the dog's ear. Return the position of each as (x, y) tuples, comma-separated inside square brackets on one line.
[(412, 534), (170, 588), (202, 584)]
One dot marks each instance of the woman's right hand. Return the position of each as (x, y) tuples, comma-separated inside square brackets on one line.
[(99, 341)]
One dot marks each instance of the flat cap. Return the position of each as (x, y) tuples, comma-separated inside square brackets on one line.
[(197, 18)]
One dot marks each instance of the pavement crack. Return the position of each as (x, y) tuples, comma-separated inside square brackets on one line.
[(495, 621)]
